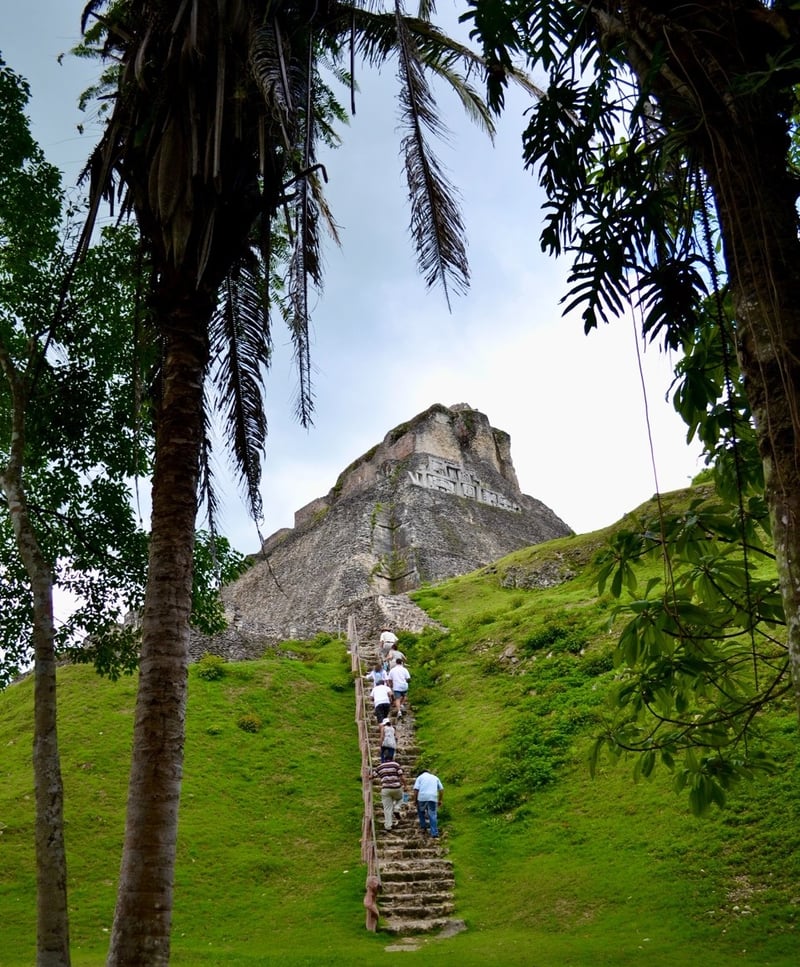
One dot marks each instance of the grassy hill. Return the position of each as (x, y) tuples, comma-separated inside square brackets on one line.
[(553, 868)]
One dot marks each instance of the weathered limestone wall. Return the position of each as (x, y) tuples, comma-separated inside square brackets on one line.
[(438, 497), (449, 433)]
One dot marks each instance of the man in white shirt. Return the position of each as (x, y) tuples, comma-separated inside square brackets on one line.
[(399, 677), (382, 700), (388, 641), (428, 799)]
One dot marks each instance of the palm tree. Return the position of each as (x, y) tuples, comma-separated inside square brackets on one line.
[(211, 142)]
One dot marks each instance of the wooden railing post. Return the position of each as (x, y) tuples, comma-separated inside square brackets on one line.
[(369, 849)]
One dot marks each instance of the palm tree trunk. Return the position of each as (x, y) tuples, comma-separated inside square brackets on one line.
[(143, 915)]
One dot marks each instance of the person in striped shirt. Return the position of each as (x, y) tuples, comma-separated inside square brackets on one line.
[(393, 784)]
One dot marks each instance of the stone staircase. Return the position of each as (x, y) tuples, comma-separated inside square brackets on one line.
[(417, 881)]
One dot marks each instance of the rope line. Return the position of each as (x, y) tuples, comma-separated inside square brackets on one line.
[(369, 845)]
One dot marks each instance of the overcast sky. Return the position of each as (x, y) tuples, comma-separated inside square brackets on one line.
[(384, 348)]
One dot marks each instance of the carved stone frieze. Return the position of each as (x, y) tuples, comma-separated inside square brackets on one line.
[(450, 478)]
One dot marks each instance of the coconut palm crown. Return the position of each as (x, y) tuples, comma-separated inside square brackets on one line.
[(216, 112)]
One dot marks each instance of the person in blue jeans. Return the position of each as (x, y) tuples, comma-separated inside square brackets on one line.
[(428, 799)]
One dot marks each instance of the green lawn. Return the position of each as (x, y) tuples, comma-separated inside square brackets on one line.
[(552, 868)]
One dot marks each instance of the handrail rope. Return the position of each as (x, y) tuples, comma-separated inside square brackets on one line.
[(370, 787), (366, 752), (366, 766), (369, 845)]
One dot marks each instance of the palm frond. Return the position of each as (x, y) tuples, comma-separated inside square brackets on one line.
[(524, 81), (376, 35), (436, 224), (304, 265), (206, 491), (473, 103), (426, 9), (241, 347)]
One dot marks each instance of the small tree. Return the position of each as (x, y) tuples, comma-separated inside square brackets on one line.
[(66, 449)]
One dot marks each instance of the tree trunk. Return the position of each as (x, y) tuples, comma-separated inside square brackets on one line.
[(143, 915), (52, 918), (740, 131), (756, 201)]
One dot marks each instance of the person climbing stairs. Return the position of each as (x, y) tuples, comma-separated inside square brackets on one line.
[(416, 877)]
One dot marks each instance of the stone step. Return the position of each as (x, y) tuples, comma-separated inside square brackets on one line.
[(391, 846), (397, 878), (400, 926), (401, 861), (418, 890), (407, 835), (400, 850), (406, 746), (405, 758), (405, 839), (427, 895), (398, 881), (415, 908)]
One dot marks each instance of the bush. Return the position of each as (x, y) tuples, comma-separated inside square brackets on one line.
[(593, 665), (250, 722), (556, 638), (211, 667), (520, 775)]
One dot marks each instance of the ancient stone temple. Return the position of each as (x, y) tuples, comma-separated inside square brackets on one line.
[(437, 498)]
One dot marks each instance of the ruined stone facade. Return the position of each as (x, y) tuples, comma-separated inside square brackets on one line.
[(437, 498)]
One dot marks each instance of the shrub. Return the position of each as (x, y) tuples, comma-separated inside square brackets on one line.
[(211, 667), (250, 722), (520, 774), (557, 638), (593, 665), (343, 682), (325, 638)]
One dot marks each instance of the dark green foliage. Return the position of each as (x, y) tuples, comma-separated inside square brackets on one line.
[(216, 563), (326, 638), (645, 192), (113, 651), (73, 430), (528, 762), (250, 722), (621, 194), (211, 668), (700, 655), (597, 663), (556, 638)]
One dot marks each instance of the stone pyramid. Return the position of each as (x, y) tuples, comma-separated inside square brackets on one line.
[(437, 498)]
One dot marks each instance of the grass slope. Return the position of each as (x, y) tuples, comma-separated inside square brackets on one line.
[(553, 868)]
